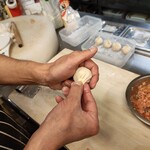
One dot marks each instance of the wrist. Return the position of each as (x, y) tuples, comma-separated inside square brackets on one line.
[(53, 135), (46, 139), (41, 74)]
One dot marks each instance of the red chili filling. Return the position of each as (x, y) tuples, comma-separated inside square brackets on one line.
[(141, 100)]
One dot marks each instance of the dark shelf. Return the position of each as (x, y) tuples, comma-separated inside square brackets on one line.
[(137, 6)]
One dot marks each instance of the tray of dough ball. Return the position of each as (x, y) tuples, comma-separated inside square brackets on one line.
[(111, 49)]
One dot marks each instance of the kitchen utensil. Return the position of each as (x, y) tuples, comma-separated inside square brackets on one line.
[(17, 35)]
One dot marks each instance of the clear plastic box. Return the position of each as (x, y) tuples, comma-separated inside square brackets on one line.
[(79, 31), (117, 58)]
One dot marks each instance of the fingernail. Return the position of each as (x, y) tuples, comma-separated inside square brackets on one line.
[(64, 89), (93, 48)]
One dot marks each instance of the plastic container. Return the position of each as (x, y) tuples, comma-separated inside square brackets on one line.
[(80, 30), (51, 10), (117, 58)]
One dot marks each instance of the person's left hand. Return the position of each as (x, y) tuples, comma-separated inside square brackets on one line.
[(60, 71)]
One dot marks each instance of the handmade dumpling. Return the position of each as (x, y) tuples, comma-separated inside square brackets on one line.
[(116, 46), (83, 75), (126, 49), (98, 41), (107, 44)]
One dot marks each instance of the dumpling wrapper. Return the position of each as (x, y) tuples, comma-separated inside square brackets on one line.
[(83, 75)]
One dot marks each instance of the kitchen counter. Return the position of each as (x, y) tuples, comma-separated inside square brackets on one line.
[(119, 129)]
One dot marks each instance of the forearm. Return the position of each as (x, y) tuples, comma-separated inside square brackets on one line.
[(45, 139), (15, 71)]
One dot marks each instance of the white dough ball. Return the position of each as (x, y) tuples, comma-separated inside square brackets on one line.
[(98, 41), (107, 43), (126, 49), (116, 46), (83, 75)]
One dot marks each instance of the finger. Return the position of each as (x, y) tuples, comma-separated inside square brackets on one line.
[(75, 93), (81, 56), (59, 99), (95, 72), (59, 86), (67, 83), (55, 86), (88, 101), (65, 90)]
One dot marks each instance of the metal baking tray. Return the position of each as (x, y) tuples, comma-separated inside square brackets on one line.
[(113, 28), (131, 90), (140, 35)]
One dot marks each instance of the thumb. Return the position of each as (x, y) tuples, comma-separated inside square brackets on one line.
[(84, 55), (90, 52), (75, 93)]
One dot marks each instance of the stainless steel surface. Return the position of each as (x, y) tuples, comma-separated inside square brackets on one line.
[(5, 90), (28, 90), (141, 37), (139, 64), (114, 28), (131, 89)]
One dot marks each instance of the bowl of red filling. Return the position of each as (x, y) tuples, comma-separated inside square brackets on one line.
[(138, 98)]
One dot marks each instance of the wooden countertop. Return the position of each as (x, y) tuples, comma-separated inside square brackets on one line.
[(119, 129)]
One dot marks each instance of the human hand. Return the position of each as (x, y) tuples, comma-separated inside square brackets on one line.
[(72, 119), (60, 71)]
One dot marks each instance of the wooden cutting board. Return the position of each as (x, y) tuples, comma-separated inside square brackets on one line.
[(39, 38), (119, 129)]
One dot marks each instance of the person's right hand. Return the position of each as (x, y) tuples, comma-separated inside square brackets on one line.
[(59, 72), (72, 119)]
